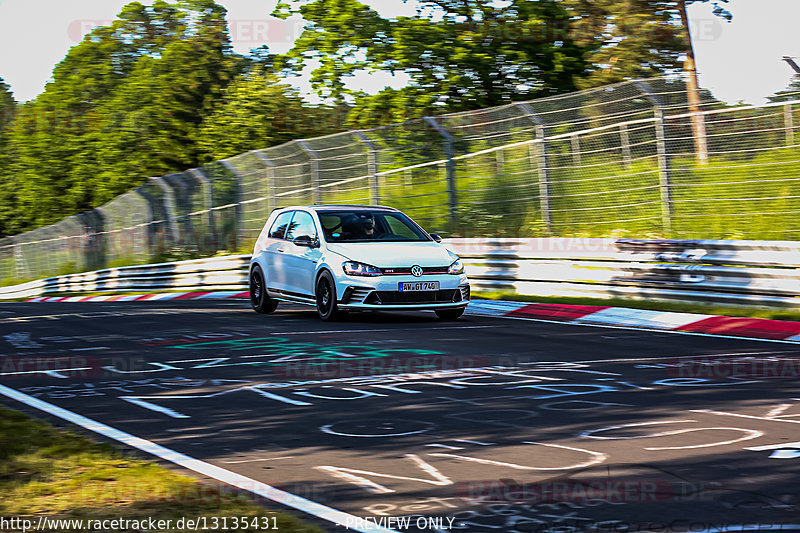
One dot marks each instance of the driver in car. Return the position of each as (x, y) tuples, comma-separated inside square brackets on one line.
[(368, 226)]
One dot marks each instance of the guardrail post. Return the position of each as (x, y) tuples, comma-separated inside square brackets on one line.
[(372, 167), (239, 212), (625, 145), (450, 168), (538, 150), (788, 123), (270, 175), (663, 157), (315, 181)]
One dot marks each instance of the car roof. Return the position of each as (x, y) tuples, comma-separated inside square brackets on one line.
[(339, 207)]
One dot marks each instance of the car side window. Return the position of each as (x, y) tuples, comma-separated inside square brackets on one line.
[(398, 228), (302, 226), (278, 229)]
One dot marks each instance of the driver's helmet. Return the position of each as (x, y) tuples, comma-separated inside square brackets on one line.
[(367, 223)]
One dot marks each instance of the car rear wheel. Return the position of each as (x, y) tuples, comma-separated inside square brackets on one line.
[(449, 314), (259, 298), (325, 294)]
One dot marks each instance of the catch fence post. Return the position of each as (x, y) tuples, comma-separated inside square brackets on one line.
[(450, 168), (664, 177), (540, 147), (372, 167), (315, 181)]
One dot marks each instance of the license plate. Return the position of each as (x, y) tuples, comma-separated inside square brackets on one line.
[(408, 286)]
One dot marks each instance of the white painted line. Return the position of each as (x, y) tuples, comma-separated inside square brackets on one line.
[(775, 446), (754, 527), (258, 460), (55, 373), (663, 357), (723, 413), (153, 407), (196, 465), (622, 316)]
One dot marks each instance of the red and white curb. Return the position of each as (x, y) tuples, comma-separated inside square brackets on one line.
[(594, 315), (597, 315), (215, 295)]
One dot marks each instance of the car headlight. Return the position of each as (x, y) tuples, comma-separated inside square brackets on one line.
[(352, 268), (456, 268)]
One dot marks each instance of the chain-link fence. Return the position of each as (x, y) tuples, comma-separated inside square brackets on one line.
[(621, 160)]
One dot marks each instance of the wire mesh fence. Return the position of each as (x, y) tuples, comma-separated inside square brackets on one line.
[(622, 160)]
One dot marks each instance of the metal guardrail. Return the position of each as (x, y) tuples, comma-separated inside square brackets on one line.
[(709, 271), (214, 273)]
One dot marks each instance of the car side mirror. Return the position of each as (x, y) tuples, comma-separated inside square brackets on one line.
[(436, 237), (305, 240)]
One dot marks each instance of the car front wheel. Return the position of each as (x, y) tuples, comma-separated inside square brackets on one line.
[(259, 298), (325, 293)]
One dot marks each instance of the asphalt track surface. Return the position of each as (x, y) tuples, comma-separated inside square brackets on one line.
[(480, 425)]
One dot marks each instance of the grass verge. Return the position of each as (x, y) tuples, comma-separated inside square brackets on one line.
[(678, 307), (64, 475)]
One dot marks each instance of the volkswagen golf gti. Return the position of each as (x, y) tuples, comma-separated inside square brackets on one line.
[(343, 258)]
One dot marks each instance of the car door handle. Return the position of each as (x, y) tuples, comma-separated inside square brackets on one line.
[(281, 250)]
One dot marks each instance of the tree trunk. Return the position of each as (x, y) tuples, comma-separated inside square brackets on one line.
[(690, 68)]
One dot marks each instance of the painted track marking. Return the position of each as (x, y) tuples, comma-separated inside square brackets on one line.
[(196, 465)]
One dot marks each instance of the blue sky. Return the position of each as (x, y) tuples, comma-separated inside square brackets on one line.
[(738, 61)]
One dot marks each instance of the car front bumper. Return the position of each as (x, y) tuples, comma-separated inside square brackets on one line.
[(381, 292)]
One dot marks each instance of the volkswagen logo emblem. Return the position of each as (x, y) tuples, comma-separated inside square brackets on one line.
[(416, 271)]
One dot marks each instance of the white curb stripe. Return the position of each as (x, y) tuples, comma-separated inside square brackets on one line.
[(641, 318), (129, 298), (166, 296), (196, 465), (493, 308)]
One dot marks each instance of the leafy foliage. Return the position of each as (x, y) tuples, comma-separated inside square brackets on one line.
[(137, 98), (255, 109), (461, 55)]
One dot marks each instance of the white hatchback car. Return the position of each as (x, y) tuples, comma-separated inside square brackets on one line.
[(346, 257)]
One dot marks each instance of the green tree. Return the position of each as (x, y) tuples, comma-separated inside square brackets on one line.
[(792, 92), (8, 107), (633, 38), (125, 103), (462, 55), (256, 111)]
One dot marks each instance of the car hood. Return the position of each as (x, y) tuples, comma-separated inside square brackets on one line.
[(395, 254)]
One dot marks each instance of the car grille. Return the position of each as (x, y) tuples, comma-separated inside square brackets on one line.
[(414, 297), (407, 270)]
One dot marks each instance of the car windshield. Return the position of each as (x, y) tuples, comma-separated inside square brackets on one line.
[(368, 226)]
